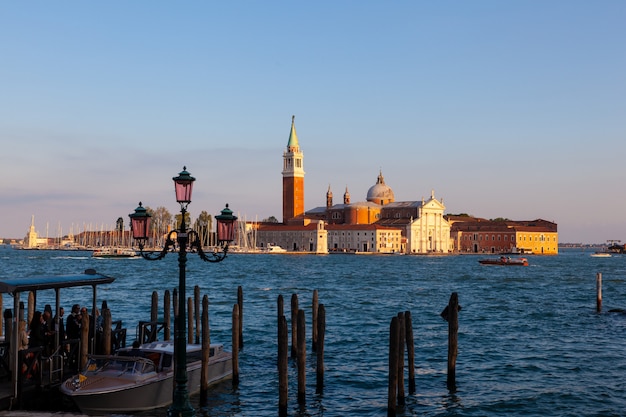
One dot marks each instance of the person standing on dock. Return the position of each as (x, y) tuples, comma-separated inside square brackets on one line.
[(36, 331), (72, 327), (47, 328), (59, 326)]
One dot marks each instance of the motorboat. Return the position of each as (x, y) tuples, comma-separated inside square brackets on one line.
[(505, 261), (114, 253), (516, 251), (601, 255), (275, 249), (141, 378)]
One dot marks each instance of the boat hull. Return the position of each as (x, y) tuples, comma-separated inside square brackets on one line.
[(107, 394), (505, 262)]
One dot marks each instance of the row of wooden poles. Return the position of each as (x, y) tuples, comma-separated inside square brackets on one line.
[(298, 348), (401, 335), (198, 330)]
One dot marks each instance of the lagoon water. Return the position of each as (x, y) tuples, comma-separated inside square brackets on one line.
[(530, 340)]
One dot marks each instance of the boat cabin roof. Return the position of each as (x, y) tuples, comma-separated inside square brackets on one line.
[(44, 282)]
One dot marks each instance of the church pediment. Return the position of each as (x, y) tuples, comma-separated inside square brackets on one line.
[(433, 204)]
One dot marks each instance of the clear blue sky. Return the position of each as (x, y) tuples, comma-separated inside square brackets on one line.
[(505, 108)]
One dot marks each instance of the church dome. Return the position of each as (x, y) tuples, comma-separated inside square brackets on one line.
[(380, 193)]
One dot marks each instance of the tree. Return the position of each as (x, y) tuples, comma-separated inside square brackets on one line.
[(203, 226), (161, 222), (270, 219), (119, 225), (178, 220)]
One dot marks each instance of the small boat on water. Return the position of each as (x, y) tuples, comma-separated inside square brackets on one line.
[(141, 378), (275, 249), (601, 255), (505, 261), (516, 251), (114, 253)]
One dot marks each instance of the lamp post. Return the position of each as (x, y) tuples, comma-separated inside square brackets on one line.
[(186, 239)]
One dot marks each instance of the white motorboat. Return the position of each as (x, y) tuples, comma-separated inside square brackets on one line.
[(275, 249), (139, 379), (114, 253)]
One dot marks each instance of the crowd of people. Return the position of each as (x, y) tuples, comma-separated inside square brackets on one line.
[(43, 328)]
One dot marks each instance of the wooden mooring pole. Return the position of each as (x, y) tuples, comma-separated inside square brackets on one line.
[(451, 315), (301, 358), (154, 307), (240, 304), (314, 314), (294, 325), (206, 350), (410, 350), (280, 306), (235, 345), (197, 313), (283, 359), (599, 292), (393, 367), (321, 332), (84, 340), (401, 342), (31, 306), (167, 316), (106, 331)]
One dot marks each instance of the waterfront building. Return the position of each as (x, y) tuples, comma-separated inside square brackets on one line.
[(476, 235), (377, 225), (429, 232), (308, 236), (32, 239), (364, 238)]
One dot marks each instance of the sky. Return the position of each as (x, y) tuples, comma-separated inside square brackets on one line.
[(512, 109)]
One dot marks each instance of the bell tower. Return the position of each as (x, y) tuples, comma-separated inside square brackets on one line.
[(329, 198), (293, 177)]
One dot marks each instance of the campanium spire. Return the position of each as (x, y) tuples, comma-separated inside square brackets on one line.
[(293, 145)]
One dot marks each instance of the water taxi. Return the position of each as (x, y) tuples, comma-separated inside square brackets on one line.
[(505, 261), (141, 378), (114, 253)]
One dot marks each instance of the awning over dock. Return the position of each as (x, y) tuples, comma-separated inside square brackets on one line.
[(45, 282)]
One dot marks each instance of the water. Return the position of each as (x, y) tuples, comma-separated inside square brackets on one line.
[(530, 341)]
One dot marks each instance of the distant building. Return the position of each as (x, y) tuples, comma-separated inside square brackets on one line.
[(32, 239), (293, 177), (378, 225), (475, 235)]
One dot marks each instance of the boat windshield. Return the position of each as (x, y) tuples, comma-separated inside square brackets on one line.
[(129, 365)]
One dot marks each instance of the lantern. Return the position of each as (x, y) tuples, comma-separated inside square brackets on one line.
[(226, 225), (183, 185), (140, 223)]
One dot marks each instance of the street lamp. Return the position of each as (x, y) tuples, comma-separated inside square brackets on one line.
[(186, 239)]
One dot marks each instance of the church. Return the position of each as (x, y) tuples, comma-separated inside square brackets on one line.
[(380, 224)]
